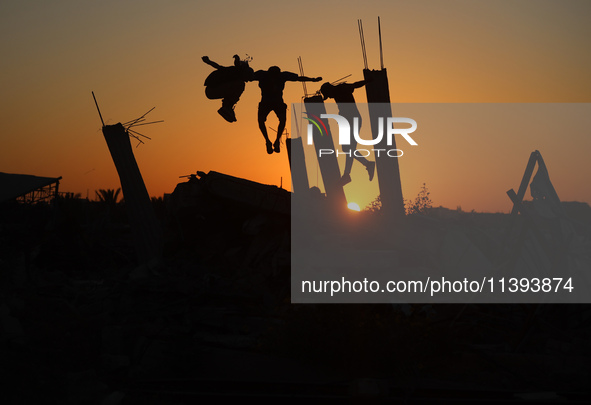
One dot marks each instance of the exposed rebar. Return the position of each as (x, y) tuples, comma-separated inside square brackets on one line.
[(301, 66), (342, 78), (98, 109), (380, 36), (140, 118), (145, 123), (362, 38)]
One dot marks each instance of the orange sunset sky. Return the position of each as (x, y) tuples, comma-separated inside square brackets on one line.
[(136, 55)]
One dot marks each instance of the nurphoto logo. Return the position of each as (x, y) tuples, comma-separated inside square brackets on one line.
[(345, 134)]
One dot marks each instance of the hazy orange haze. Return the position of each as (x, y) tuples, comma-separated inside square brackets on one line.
[(139, 54)]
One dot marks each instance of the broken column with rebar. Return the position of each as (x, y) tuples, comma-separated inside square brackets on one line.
[(144, 226), (378, 99), (297, 165), (328, 164)]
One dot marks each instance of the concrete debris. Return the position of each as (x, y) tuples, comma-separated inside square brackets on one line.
[(215, 319)]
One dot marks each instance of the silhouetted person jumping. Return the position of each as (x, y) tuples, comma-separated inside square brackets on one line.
[(272, 83), (343, 96), (227, 83)]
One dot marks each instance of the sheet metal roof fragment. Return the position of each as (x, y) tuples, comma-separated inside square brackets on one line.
[(16, 185)]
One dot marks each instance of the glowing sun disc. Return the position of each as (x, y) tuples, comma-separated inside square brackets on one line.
[(353, 206)]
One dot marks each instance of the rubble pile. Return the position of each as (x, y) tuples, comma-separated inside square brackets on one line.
[(82, 322)]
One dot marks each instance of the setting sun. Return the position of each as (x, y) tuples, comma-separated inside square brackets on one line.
[(353, 206)]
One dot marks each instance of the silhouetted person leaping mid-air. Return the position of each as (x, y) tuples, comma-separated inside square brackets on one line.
[(227, 83), (272, 83), (343, 96)]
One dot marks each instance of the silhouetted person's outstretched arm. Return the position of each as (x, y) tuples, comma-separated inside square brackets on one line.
[(296, 78), (211, 63), (359, 84)]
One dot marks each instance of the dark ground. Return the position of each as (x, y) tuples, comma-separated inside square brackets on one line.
[(82, 323)]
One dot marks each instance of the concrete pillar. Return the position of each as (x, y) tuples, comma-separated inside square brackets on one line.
[(329, 166), (387, 167), (297, 165), (144, 225)]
